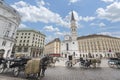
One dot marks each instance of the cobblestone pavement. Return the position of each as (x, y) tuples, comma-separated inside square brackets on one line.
[(75, 73)]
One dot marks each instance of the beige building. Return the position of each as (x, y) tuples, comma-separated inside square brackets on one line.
[(98, 46), (53, 47), (29, 42)]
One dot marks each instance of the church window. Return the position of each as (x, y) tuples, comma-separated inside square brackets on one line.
[(74, 53), (3, 43), (67, 46), (7, 33)]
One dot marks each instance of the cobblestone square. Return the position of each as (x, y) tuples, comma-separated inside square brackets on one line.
[(75, 73)]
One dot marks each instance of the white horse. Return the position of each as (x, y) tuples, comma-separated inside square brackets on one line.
[(54, 60)]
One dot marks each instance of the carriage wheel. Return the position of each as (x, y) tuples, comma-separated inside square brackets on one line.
[(16, 71), (110, 65), (27, 75), (68, 64), (37, 75), (1, 68)]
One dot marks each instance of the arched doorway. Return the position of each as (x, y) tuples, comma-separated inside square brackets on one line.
[(2, 51)]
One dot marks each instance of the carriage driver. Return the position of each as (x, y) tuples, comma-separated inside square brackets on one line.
[(70, 58)]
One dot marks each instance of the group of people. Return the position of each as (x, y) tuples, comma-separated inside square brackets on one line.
[(85, 62)]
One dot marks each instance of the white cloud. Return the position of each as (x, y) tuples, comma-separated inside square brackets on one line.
[(98, 24), (49, 38), (40, 13), (50, 28), (87, 18), (102, 24), (59, 33), (73, 1), (111, 12), (23, 26), (108, 0), (40, 2)]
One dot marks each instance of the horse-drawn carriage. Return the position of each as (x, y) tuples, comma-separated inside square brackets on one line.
[(71, 61), (84, 62), (114, 62), (14, 64), (27, 65), (90, 62)]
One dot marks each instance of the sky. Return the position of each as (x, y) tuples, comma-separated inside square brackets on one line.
[(52, 17)]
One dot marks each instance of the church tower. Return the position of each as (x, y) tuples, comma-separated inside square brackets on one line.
[(69, 47), (73, 27)]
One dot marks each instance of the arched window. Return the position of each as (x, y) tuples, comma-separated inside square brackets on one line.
[(67, 46)]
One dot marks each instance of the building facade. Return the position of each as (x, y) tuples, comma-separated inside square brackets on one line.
[(9, 22), (85, 46), (29, 42), (98, 46), (69, 46), (53, 47)]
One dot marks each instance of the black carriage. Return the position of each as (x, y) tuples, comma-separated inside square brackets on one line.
[(15, 64), (114, 62)]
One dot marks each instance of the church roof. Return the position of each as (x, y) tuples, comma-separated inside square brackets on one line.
[(96, 35)]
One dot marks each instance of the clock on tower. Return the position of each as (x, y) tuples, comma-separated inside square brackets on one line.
[(67, 37)]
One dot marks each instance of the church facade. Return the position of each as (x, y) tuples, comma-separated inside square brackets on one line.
[(69, 46)]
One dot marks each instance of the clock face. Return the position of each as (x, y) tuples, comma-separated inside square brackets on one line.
[(67, 37)]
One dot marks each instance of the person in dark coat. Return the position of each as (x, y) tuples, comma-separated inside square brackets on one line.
[(44, 63)]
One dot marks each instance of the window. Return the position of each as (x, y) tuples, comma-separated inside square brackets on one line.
[(25, 49), (27, 40), (67, 46), (22, 33), (7, 33), (74, 53), (13, 35), (24, 41), (3, 43), (20, 41), (19, 49), (29, 34)]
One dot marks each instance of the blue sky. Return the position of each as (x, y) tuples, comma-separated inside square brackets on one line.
[(52, 17)]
